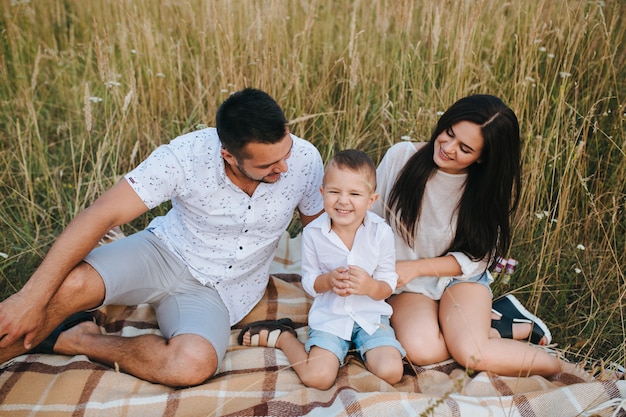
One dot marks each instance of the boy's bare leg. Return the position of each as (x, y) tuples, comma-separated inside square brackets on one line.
[(316, 369), (386, 363)]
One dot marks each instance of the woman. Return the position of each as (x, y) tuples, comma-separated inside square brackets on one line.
[(449, 202)]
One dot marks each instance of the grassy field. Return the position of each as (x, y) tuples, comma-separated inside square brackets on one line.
[(89, 88)]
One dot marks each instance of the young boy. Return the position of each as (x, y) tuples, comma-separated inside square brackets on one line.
[(348, 266)]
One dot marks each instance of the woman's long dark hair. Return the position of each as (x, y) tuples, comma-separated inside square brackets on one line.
[(492, 186)]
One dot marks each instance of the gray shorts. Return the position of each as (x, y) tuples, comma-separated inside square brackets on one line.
[(141, 269)]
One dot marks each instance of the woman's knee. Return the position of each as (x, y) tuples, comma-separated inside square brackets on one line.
[(416, 323), (424, 347)]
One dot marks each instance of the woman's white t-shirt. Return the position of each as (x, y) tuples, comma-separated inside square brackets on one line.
[(437, 223)]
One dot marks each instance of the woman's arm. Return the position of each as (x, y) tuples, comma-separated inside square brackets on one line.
[(443, 266)]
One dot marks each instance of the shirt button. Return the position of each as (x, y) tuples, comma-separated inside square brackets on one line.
[(230, 266)]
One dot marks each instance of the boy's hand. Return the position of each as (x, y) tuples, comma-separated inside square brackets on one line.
[(362, 283), (339, 281), (359, 281)]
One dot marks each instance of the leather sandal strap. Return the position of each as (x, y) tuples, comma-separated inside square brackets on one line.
[(504, 326)]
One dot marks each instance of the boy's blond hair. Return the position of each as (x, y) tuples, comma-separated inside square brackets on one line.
[(357, 161)]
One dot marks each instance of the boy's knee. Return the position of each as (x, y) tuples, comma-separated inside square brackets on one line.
[(321, 378), (319, 383), (386, 365)]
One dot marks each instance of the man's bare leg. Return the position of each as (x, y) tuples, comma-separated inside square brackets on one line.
[(83, 289), (183, 360), (149, 357)]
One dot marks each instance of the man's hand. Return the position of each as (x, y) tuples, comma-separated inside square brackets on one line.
[(20, 317)]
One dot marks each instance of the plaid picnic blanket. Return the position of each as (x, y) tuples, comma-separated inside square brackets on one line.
[(259, 381)]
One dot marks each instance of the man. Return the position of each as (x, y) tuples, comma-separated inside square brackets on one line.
[(203, 266)]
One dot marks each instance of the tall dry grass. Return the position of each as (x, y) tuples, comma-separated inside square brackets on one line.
[(88, 89)]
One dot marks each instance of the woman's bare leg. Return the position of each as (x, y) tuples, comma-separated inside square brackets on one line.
[(415, 320), (317, 369), (465, 318)]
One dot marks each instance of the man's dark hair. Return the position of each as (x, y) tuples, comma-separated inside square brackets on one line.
[(249, 115)]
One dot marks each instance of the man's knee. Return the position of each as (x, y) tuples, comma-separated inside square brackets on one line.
[(83, 288), (191, 361)]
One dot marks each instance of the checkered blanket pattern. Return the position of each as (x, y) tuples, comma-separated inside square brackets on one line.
[(259, 381)]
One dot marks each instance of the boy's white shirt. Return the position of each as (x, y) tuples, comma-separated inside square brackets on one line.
[(323, 250)]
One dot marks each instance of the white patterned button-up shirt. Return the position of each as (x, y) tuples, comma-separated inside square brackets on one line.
[(225, 237)]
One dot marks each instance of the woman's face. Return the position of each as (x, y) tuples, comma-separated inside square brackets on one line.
[(458, 147)]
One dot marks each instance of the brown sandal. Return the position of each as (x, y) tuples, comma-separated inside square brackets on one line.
[(273, 327)]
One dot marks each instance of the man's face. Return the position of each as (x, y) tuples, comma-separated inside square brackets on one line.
[(264, 162)]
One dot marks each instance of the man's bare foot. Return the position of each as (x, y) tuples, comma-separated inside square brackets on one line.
[(69, 341)]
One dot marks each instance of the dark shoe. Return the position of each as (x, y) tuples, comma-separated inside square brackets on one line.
[(273, 327), (47, 346), (510, 307), (504, 326)]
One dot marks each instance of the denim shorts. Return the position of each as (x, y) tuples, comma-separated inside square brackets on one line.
[(485, 279), (383, 336)]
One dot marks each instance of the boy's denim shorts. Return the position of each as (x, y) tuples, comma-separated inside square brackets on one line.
[(383, 336)]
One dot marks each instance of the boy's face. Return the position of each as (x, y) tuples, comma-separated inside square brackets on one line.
[(347, 196)]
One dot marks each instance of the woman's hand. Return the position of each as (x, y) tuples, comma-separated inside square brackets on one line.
[(442, 266), (407, 271)]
